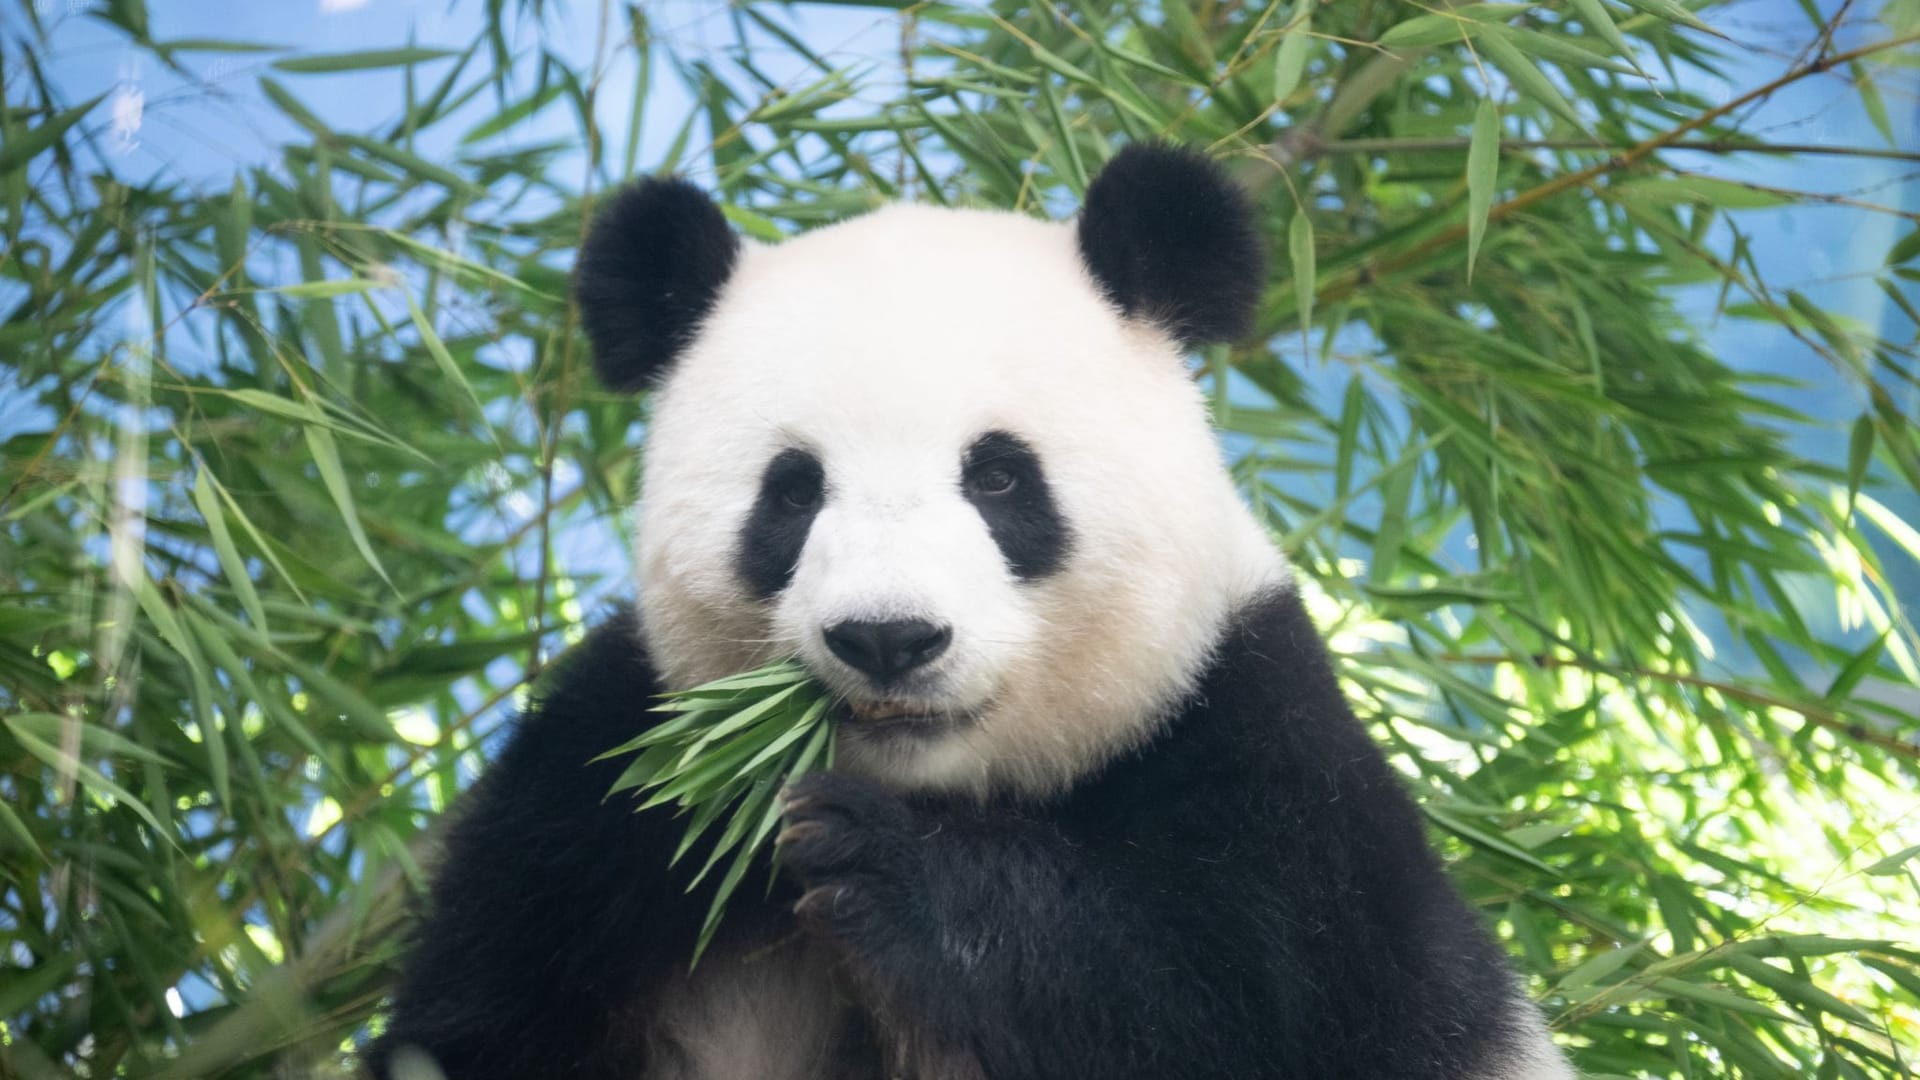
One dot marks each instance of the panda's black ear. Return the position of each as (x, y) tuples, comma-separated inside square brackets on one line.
[(1171, 239), (652, 266)]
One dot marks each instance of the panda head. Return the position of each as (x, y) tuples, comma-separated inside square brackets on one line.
[(951, 459)]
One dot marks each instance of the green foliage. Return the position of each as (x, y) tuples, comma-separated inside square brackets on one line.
[(303, 479), (729, 749)]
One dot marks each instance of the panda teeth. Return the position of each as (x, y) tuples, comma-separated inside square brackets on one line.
[(880, 711)]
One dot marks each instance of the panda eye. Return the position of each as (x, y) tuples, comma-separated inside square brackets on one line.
[(801, 492), (994, 480)]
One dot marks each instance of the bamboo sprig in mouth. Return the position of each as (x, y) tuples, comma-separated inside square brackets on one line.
[(726, 751)]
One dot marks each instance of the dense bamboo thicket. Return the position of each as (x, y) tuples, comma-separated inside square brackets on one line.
[(303, 476)]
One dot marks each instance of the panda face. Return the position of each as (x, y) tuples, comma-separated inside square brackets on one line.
[(951, 460), (925, 454)]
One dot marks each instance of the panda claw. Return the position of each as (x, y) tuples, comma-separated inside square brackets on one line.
[(820, 902), (799, 830)]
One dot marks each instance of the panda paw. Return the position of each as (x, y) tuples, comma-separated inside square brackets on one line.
[(852, 846)]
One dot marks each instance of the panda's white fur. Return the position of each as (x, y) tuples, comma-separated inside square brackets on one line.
[(972, 321)]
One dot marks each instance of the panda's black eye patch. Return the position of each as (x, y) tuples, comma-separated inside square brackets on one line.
[(1001, 476), (792, 489)]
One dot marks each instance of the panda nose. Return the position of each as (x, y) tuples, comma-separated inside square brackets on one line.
[(884, 651)]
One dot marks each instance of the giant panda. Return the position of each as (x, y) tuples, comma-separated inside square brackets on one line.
[(1099, 808)]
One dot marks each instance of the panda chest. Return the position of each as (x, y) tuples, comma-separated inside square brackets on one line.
[(777, 1012)]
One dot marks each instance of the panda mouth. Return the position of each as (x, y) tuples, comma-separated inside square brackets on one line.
[(888, 718)]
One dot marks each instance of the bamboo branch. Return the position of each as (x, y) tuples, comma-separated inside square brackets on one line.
[(1704, 146)]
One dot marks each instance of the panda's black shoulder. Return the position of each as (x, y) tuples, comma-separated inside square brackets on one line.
[(1267, 760), (592, 697), (607, 673), (1267, 701)]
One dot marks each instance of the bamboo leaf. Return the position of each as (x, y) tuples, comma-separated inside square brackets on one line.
[(1305, 278), (1724, 194), (1859, 456), (1564, 51), (1422, 31), (1824, 325), (15, 830), (411, 164), (284, 100), (1599, 966), (1874, 104), (326, 456), (1483, 165), (1905, 250), (1594, 14), (1894, 863), (62, 761), (324, 290), (329, 63), (219, 45), (1672, 11), (441, 259), (1497, 43), (1716, 997), (24, 148), (1290, 59), (507, 118), (259, 542), (1481, 838), (208, 502), (1076, 166), (94, 739), (1857, 668), (449, 368)]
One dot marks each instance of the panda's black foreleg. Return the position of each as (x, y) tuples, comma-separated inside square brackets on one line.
[(552, 918), (987, 945)]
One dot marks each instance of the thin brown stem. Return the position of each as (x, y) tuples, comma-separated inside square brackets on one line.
[(556, 406), (1815, 714), (1704, 146)]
